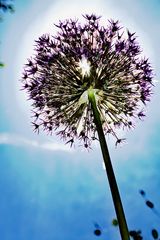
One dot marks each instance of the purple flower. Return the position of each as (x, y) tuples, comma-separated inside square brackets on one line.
[(81, 57)]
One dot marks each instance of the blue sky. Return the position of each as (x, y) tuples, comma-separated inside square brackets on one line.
[(49, 191)]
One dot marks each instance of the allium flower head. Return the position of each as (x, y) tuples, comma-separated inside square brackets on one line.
[(83, 57)]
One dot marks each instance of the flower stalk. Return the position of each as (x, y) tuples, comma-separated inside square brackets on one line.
[(89, 80), (109, 169)]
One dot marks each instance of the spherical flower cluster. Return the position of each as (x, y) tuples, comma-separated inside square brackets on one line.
[(79, 58)]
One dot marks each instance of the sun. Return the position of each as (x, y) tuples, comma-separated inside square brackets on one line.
[(84, 67)]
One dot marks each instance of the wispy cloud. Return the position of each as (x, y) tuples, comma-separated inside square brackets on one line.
[(20, 141)]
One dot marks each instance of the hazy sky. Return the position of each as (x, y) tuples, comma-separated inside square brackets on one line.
[(49, 191)]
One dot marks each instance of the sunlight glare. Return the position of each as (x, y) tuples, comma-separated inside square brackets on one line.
[(84, 66)]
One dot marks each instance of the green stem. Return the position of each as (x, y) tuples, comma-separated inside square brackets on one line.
[(109, 169)]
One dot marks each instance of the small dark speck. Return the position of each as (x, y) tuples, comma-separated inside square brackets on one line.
[(97, 232)]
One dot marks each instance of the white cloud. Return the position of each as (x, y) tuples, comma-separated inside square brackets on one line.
[(16, 140)]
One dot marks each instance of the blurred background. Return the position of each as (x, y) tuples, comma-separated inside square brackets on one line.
[(47, 190)]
